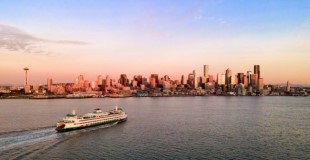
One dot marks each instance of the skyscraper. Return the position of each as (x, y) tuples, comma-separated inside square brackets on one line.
[(156, 78), (195, 79), (108, 81), (219, 79), (206, 72), (257, 70), (240, 78), (227, 76), (99, 80), (49, 84), (260, 84), (249, 76), (254, 80), (183, 80), (123, 79), (288, 86), (138, 78)]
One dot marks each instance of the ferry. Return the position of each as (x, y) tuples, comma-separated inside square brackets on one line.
[(98, 117)]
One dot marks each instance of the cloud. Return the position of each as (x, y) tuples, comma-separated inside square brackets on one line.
[(14, 39), (218, 20)]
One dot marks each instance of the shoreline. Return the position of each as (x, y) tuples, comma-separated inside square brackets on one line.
[(64, 97)]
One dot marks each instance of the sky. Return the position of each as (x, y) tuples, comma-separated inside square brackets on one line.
[(63, 39)]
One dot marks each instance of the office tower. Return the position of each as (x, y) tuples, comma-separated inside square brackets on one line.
[(86, 85), (233, 79), (254, 80), (245, 80), (210, 79), (206, 72), (93, 84), (49, 84), (218, 79), (288, 86), (108, 81), (123, 79), (81, 82), (240, 78), (260, 84), (228, 76), (156, 78), (249, 76), (153, 82), (138, 78), (26, 69), (99, 80), (195, 79), (166, 78), (257, 70), (223, 78), (134, 83), (183, 80), (190, 80)]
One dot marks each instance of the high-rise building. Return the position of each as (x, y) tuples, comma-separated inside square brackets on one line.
[(134, 83), (93, 84), (249, 76), (49, 84), (108, 81), (191, 80), (138, 78), (156, 78), (288, 86), (223, 78), (228, 76), (123, 79), (195, 79), (99, 80), (240, 78), (210, 79), (218, 79), (206, 72), (260, 84), (80, 81), (233, 79), (245, 80), (153, 82), (254, 80), (183, 80), (257, 70), (166, 78)]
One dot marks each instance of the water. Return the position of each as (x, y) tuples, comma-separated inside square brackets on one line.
[(161, 128)]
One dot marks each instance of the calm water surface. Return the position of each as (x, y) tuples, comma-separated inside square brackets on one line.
[(161, 128)]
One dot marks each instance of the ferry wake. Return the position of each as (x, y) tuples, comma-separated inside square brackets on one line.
[(73, 122)]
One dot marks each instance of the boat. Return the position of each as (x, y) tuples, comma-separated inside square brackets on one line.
[(98, 117)]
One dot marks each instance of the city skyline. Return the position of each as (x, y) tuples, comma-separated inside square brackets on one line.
[(61, 40)]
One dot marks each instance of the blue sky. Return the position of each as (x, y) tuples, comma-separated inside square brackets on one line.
[(165, 37)]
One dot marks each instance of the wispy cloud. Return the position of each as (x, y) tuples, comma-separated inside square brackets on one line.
[(15, 39)]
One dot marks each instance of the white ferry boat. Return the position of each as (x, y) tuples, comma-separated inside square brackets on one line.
[(73, 122)]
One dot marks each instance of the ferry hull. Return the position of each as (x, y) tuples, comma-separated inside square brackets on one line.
[(90, 125)]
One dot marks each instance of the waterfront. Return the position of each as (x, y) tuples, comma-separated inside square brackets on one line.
[(209, 127)]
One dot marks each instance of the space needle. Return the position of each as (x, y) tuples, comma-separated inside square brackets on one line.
[(26, 70)]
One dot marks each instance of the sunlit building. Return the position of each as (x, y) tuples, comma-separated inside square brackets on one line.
[(254, 80), (206, 72), (257, 70), (260, 84), (228, 76), (240, 78), (49, 84)]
